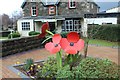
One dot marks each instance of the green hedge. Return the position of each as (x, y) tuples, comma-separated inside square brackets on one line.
[(105, 32), (31, 33), (14, 35)]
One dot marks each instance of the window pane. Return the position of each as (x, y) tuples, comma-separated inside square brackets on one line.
[(25, 25)]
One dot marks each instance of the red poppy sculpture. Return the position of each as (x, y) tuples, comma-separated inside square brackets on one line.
[(72, 44), (54, 46), (43, 30)]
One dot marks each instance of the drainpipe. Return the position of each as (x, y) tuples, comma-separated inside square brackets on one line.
[(55, 16), (56, 10)]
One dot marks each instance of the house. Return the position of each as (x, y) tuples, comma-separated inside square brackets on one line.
[(110, 16), (63, 16)]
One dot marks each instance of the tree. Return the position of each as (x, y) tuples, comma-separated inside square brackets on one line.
[(5, 21), (15, 16), (90, 35)]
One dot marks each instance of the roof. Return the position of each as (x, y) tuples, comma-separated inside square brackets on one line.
[(100, 15), (49, 2), (45, 2), (53, 17)]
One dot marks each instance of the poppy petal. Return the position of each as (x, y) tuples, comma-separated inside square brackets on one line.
[(71, 50), (56, 38), (73, 37), (64, 43), (49, 46), (55, 49), (79, 45), (41, 35), (45, 27)]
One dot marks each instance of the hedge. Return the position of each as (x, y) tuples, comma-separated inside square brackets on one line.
[(14, 35), (31, 33), (105, 32)]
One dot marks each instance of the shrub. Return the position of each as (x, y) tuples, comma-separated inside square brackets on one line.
[(65, 72), (14, 35), (64, 34), (31, 33), (96, 68), (86, 68), (49, 69), (105, 32)]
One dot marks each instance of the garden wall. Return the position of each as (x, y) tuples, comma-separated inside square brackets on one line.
[(4, 33), (13, 46)]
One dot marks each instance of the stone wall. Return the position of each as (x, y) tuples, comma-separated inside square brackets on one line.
[(13, 46), (63, 9)]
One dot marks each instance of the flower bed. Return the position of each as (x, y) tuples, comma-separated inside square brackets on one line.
[(84, 68)]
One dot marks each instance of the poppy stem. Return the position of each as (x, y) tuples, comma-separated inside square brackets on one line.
[(59, 59), (49, 32)]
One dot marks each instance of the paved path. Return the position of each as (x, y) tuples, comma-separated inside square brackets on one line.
[(101, 52)]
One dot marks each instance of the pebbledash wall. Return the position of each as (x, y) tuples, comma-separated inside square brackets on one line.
[(13, 46)]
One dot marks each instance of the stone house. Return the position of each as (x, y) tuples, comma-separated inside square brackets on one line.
[(63, 16)]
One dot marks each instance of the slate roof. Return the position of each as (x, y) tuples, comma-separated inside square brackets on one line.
[(45, 2), (53, 17)]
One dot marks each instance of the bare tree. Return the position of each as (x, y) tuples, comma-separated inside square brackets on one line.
[(15, 16), (5, 21), (90, 35)]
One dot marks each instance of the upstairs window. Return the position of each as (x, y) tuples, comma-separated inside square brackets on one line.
[(34, 11), (51, 10), (72, 4)]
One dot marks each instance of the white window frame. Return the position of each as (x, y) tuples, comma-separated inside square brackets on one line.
[(25, 26), (71, 2), (70, 25), (77, 25), (33, 10)]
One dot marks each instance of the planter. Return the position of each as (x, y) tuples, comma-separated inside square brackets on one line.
[(89, 67), (16, 69)]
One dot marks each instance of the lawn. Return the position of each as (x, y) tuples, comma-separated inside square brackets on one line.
[(3, 38), (104, 43)]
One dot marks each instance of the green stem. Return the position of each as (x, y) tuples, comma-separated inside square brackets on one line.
[(49, 32), (71, 61), (59, 60)]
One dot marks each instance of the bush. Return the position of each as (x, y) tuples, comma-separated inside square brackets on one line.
[(49, 70), (64, 34), (14, 35), (105, 32), (65, 72), (32, 33), (86, 68), (96, 68)]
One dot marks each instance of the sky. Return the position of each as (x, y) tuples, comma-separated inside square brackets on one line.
[(11, 6)]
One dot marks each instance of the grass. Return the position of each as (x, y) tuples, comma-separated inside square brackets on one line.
[(3, 38), (104, 43)]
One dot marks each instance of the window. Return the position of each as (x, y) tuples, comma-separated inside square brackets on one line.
[(72, 4), (77, 26), (34, 11), (51, 10), (69, 25), (25, 26)]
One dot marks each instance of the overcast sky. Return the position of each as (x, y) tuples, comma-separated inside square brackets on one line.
[(10, 6)]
